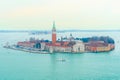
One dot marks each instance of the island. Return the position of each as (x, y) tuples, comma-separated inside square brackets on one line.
[(65, 44)]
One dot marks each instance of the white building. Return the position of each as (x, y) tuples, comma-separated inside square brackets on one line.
[(79, 47), (43, 46), (62, 49), (58, 49)]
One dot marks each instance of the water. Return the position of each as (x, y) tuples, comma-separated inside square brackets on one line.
[(17, 65)]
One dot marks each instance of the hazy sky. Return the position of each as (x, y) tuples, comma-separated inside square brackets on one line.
[(68, 14)]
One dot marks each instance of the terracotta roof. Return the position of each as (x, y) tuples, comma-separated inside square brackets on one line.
[(26, 42), (97, 44), (57, 45)]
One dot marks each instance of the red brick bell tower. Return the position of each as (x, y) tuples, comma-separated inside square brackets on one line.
[(53, 34)]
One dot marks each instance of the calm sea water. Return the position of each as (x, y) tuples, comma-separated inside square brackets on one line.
[(17, 65)]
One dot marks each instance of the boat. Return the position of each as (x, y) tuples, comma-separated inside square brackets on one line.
[(63, 60)]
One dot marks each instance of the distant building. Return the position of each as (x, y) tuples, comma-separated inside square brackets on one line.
[(98, 46), (26, 44), (79, 47), (43, 46), (57, 48)]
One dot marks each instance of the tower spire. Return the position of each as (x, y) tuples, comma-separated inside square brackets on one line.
[(54, 29), (53, 24)]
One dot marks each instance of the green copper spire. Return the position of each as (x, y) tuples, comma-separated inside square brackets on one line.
[(53, 24), (53, 29)]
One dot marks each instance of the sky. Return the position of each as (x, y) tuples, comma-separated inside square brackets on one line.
[(67, 14)]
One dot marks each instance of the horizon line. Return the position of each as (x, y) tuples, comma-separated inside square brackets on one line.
[(66, 30)]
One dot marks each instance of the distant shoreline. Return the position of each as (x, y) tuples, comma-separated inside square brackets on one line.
[(59, 31)]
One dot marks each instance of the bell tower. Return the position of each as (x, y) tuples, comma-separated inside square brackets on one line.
[(53, 34)]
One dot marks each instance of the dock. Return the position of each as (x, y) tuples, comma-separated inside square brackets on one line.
[(26, 50)]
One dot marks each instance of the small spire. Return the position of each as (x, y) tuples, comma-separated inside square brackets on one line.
[(70, 35)]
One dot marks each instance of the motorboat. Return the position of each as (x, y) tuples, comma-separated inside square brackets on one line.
[(61, 59)]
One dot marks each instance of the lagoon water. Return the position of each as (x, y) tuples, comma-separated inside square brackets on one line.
[(17, 65)]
